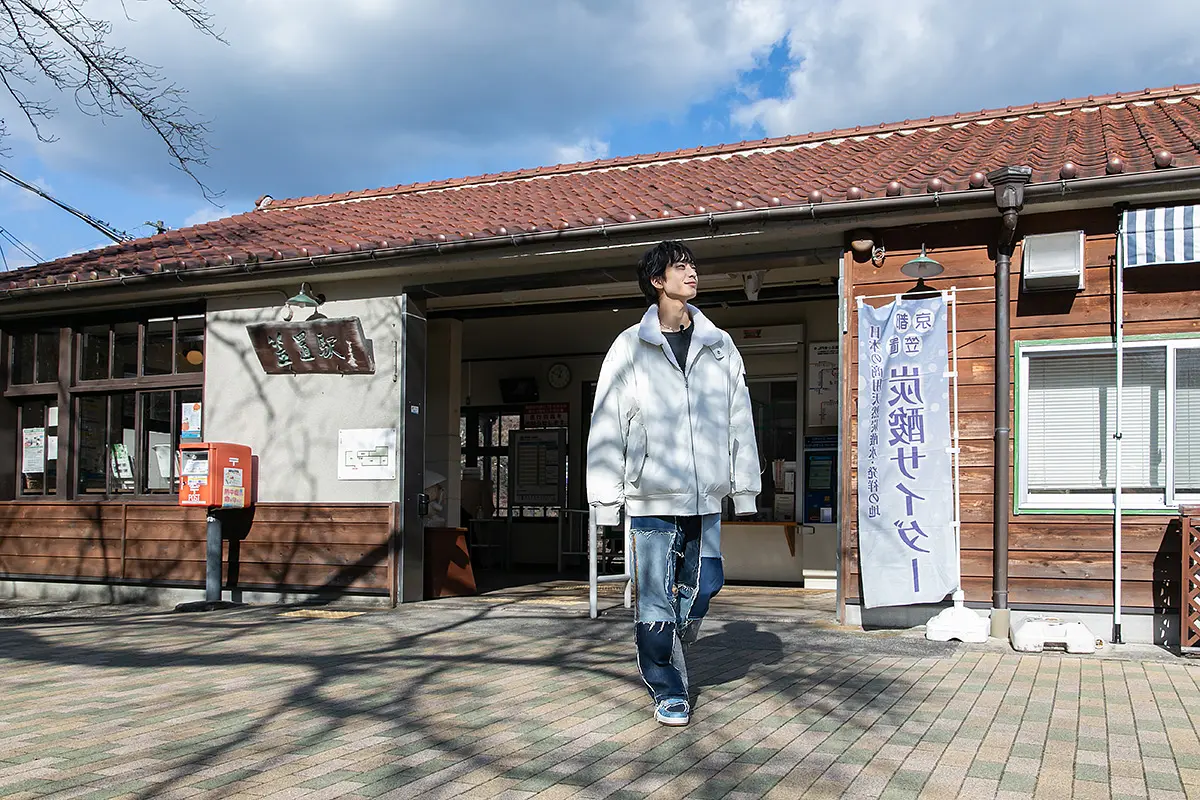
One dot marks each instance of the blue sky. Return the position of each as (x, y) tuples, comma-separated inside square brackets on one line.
[(313, 97)]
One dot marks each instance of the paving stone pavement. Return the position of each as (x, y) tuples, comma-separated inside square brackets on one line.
[(481, 700)]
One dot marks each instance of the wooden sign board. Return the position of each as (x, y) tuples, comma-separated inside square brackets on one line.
[(313, 347)]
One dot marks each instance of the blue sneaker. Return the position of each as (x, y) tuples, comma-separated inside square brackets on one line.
[(672, 712)]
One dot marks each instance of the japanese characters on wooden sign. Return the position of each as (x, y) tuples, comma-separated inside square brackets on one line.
[(317, 346)]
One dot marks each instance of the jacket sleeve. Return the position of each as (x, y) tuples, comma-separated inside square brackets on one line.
[(608, 435), (745, 471)]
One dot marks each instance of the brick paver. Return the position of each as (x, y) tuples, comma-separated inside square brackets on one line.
[(483, 701)]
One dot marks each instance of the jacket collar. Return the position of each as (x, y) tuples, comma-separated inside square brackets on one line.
[(705, 332)]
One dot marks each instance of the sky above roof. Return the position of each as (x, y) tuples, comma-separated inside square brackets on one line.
[(310, 97)]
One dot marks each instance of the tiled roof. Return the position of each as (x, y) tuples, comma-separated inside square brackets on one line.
[(1114, 133)]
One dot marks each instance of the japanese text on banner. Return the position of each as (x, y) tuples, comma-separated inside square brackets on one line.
[(905, 485)]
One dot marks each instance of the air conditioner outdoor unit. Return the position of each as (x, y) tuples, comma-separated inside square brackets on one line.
[(1052, 261)]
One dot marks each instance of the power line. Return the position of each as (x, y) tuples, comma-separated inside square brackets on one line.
[(100, 225), (20, 246)]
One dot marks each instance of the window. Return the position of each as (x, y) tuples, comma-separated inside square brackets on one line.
[(1067, 417), (34, 358), (773, 404), (484, 435), (130, 381), (38, 460), (150, 348)]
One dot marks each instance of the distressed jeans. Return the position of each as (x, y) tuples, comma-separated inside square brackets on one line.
[(677, 570)]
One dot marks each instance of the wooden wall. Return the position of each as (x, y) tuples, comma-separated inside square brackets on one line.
[(335, 548), (1053, 559)]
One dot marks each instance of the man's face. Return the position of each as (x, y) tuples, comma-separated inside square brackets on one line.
[(679, 281)]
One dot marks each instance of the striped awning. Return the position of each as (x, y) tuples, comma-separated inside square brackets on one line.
[(1168, 235)]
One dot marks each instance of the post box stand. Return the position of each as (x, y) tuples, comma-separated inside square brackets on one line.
[(218, 476)]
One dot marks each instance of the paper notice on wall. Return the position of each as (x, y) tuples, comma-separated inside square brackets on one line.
[(189, 422), (367, 454), (822, 400), (52, 417), (33, 451), (51, 448)]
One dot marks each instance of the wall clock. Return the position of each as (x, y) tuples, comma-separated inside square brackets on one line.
[(558, 376)]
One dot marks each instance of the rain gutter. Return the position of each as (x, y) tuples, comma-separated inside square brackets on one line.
[(830, 212)]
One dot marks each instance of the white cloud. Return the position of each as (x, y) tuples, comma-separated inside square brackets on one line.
[(861, 62), (586, 149), (204, 214), (314, 97), (18, 198)]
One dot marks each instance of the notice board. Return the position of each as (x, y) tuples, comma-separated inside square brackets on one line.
[(537, 468)]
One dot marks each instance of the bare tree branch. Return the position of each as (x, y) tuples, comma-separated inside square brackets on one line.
[(57, 41)]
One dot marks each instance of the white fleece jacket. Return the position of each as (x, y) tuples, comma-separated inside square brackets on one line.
[(669, 440)]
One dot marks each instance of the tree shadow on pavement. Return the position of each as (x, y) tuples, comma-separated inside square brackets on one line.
[(480, 688)]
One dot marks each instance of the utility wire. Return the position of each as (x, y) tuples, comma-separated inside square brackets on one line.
[(100, 225), (20, 246), (3, 258)]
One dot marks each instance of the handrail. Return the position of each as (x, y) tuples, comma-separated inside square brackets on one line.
[(594, 578)]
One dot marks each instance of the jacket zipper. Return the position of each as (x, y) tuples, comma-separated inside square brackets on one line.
[(691, 436)]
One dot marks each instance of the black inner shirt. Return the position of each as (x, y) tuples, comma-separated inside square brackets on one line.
[(680, 341)]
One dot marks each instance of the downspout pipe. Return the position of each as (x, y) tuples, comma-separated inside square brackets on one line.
[(1009, 185)]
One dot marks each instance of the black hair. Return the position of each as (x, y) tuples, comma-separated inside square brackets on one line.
[(654, 264)]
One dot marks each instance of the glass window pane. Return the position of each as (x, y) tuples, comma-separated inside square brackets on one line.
[(47, 357), (122, 446), (157, 449), (33, 447), (508, 422), (92, 429), (159, 346), (1071, 417), (95, 353), (190, 355), (1187, 421), (23, 358), (125, 350)]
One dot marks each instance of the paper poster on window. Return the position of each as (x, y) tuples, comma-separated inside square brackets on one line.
[(122, 466), (905, 483), (51, 448), (189, 422), (33, 451), (367, 454), (52, 417), (822, 399)]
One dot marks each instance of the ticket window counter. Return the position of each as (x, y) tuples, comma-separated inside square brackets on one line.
[(768, 546), (792, 538)]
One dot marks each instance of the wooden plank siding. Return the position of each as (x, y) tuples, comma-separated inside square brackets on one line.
[(1053, 559), (286, 546)]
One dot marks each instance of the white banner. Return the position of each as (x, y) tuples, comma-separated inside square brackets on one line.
[(906, 514)]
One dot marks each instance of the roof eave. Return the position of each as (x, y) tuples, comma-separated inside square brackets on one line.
[(1141, 186)]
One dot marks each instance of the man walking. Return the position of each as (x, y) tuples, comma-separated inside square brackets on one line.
[(672, 434)]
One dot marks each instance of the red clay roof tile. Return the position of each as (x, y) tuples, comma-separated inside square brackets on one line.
[(1089, 132)]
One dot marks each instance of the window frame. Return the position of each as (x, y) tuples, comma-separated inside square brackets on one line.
[(475, 455), (1165, 503), (70, 388)]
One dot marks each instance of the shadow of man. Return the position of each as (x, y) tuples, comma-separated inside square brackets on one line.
[(728, 656)]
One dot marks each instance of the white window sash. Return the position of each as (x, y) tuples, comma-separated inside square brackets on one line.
[(1168, 498)]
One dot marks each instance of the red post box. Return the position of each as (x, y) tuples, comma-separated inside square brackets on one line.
[(215, 475)]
